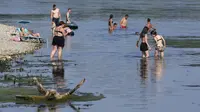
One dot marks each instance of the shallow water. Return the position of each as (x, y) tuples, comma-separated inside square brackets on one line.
[(110, 62)]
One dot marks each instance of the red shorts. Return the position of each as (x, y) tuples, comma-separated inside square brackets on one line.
[(123, 27)]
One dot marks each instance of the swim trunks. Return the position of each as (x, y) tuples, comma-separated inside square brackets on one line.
[(56, 21), (123, 27), (58, 41), (143, 47)]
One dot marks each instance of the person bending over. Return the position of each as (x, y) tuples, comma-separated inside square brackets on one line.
[(160, 44), (68, 30)]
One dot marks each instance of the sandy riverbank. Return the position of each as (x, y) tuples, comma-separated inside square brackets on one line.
[(10, 49)]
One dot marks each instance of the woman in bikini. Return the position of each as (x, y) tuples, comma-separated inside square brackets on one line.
[(110, 23), (160, 44), (58, 41)]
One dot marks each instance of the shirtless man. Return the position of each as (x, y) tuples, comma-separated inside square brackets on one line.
[(68, 15), (149, 25), (123, 22), (55, 15)]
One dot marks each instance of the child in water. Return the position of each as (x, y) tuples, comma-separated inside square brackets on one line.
[(114, 26)]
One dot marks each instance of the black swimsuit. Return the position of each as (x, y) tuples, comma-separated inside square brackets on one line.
[(58, 40), (143, 45), (109, 23)]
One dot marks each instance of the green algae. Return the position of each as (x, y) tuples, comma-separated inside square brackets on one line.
[(183, 43), (8, 95)]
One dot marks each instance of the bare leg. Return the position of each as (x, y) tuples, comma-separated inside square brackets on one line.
[(36, 35), (147, 54), (54, 49), (60, 53), (143, 54), (156, 53), (161, 54)]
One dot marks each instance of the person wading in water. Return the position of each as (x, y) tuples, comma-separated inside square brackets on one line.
[(55, 15), (124, 21), (68, 15), (110, 23), (58, 41)]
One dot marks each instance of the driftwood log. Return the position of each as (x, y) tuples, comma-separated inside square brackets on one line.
[(48, 95)]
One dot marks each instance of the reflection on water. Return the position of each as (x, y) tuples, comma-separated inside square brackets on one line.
[(158, 68), (4, 66), (55, 108), (49, 108), (91, 39), (150, 70), (144, 69), (58, 74)]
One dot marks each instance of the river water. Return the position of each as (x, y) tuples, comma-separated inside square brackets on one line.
[(111, 63)]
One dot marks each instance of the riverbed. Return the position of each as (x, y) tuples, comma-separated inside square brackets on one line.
[(111, 63)]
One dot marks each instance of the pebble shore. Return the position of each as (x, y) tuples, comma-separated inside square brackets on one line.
[(10, 49)]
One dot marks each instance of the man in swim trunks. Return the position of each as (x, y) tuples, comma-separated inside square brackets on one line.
[(68, 15), (55, 15), (123, 22)]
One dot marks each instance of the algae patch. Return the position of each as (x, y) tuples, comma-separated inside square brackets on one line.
[(183, 41), (8, 95)]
